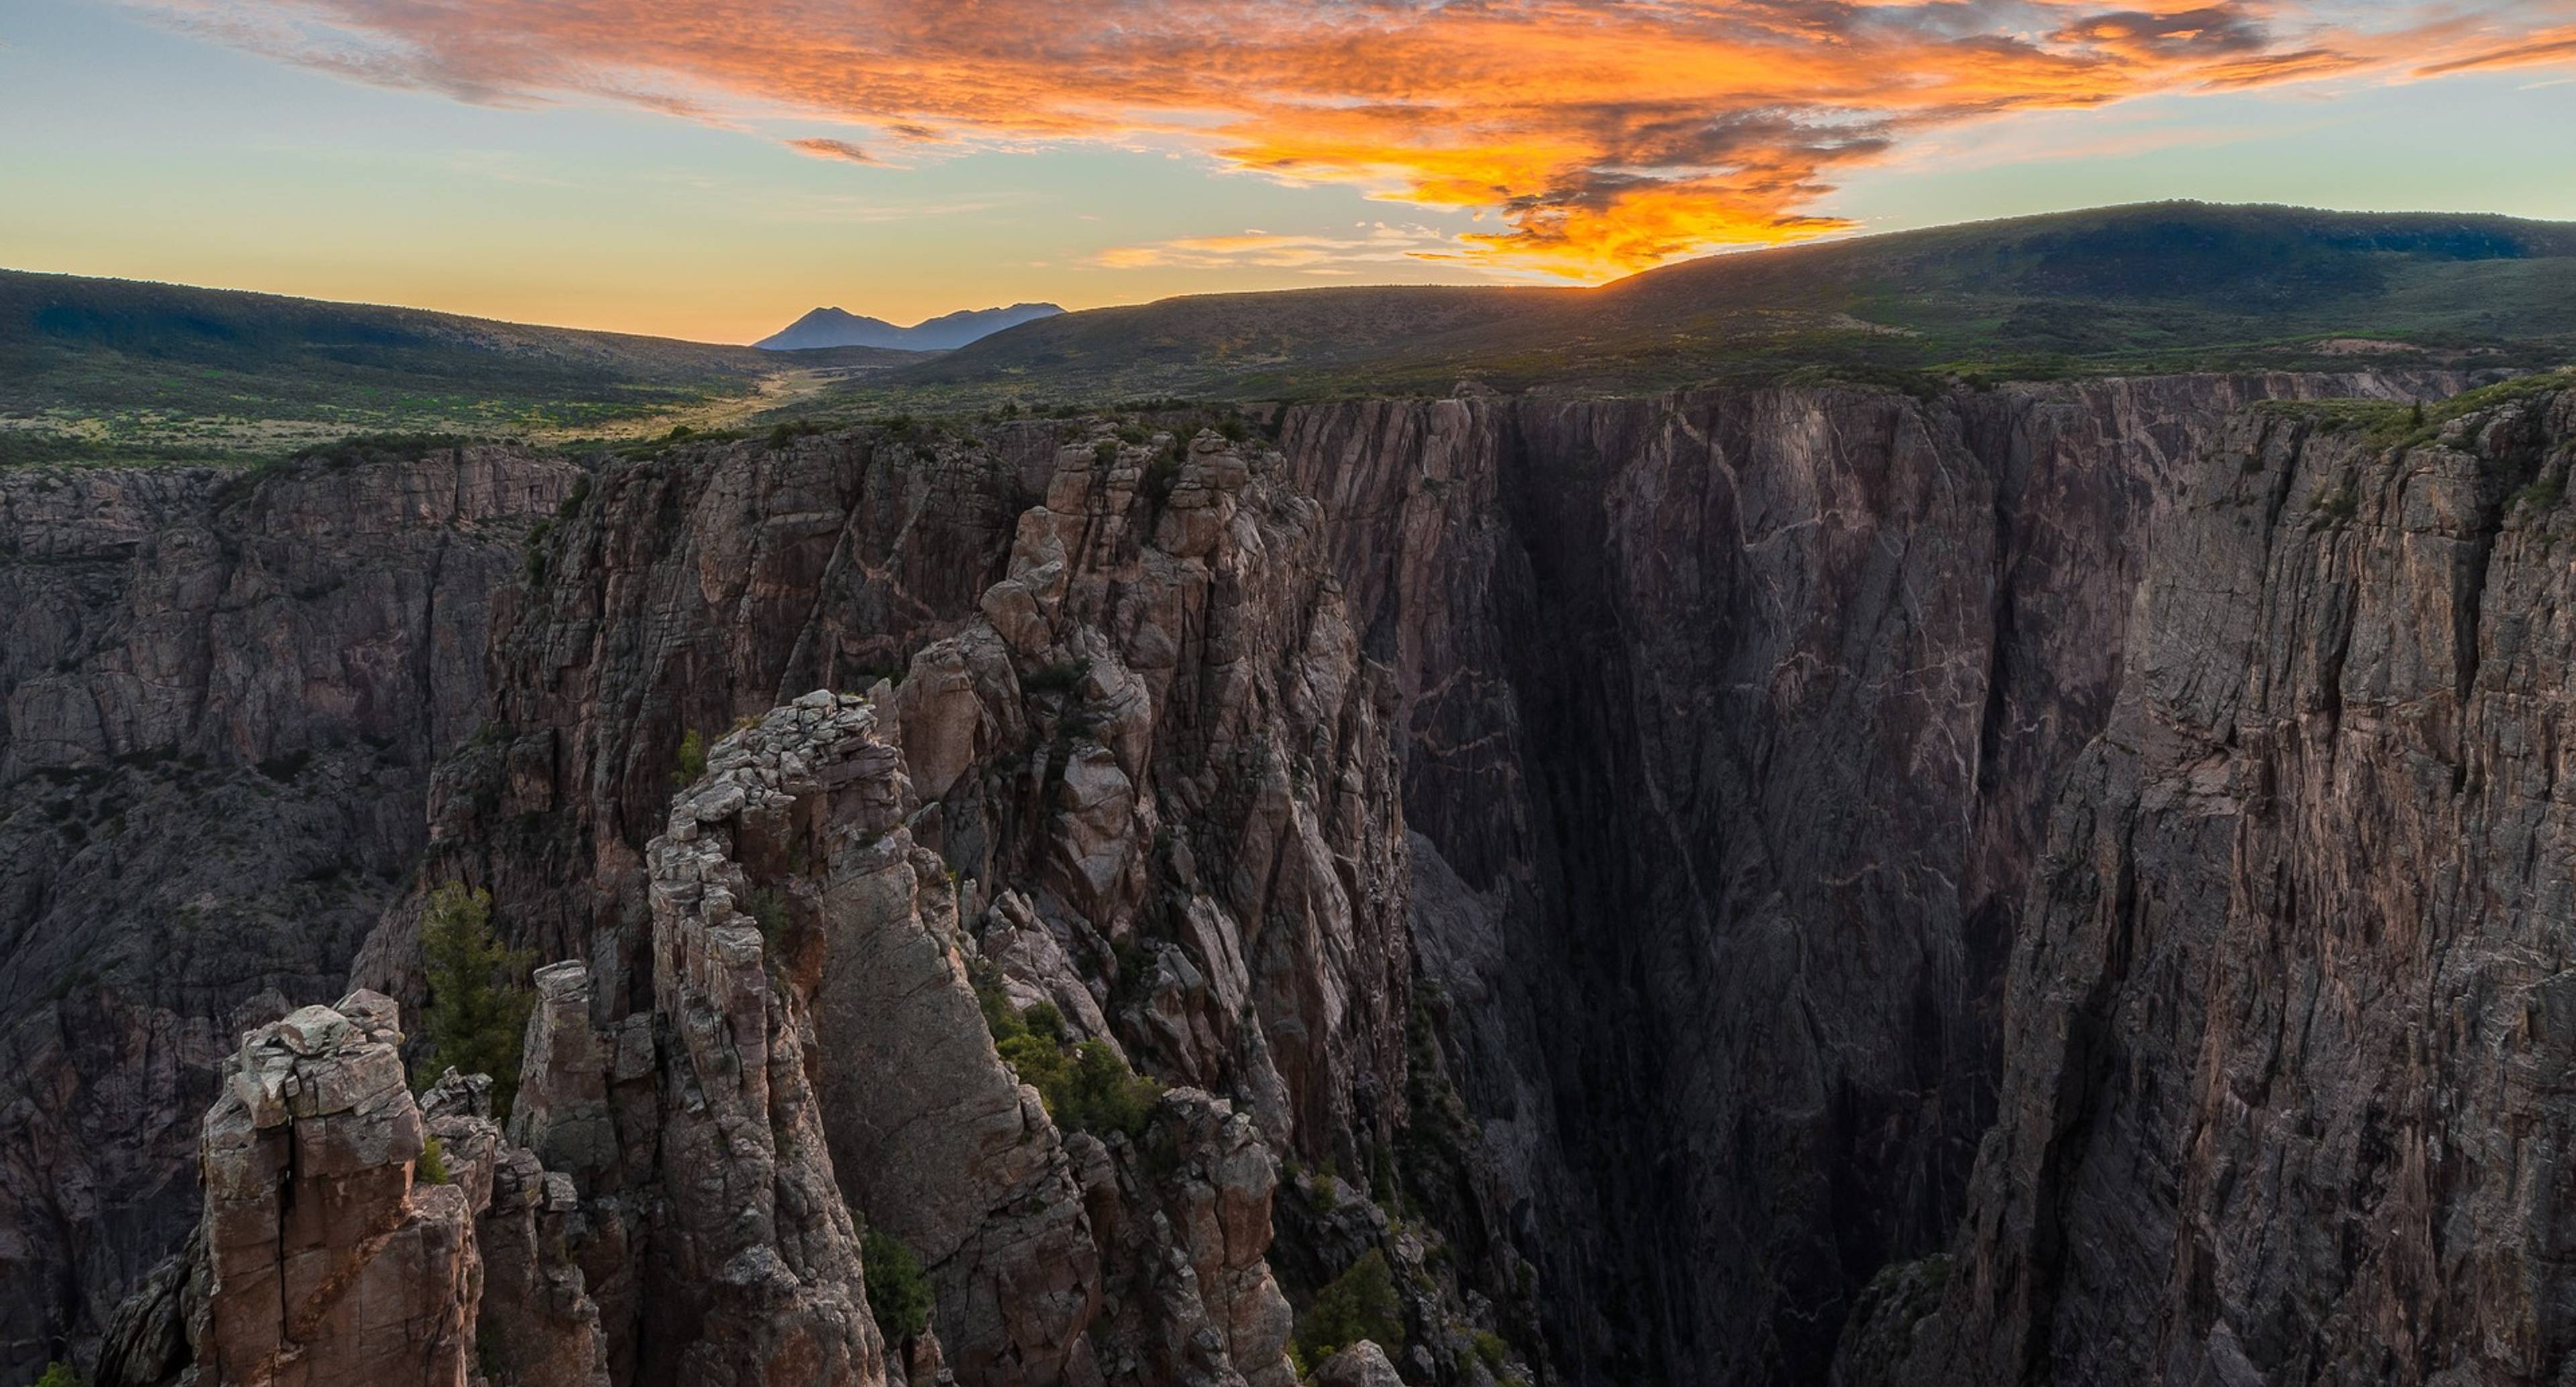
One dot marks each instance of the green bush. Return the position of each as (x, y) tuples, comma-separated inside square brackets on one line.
[(1358, 1304), (693, 757), (1492, 1351), (1102, 1094), (785, 435), (58, 1375), (898, 1289), (1086, 1088), (432, 1166), (478, 993)]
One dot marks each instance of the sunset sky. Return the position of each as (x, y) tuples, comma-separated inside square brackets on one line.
[(713, 168)]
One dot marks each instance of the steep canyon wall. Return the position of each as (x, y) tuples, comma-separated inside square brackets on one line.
[(1621, 859)]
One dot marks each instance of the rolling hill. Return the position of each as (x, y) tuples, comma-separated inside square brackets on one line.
[(106, 369), (99, 368), (2153, 287)]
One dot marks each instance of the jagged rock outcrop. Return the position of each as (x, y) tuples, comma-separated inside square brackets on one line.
[(1186, 1217), (223, 695), (536, 1323), (325, 1260), (1154, 791), (816, 1046), (752, 1261), (1148, 701), (2282, 1098), (351, 1234)]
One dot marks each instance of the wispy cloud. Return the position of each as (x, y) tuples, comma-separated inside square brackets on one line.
[(2547, 48), (1382, 245), (822, 148), (1598, 135)]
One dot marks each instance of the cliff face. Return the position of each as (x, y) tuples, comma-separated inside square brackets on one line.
[(1730, 725), (223, 699), (2288, 1025), (1618, 861)]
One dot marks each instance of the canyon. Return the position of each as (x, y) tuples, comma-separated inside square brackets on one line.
[(2053, 882)]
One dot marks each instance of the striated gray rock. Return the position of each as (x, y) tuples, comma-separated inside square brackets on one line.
[(934, 1137), (1730, 721), (2280, 1099)]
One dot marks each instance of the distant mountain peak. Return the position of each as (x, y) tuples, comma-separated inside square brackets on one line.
[(838, 327)]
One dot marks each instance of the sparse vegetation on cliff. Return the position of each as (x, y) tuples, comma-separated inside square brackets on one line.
[(478, 993), (693, 758), (1086, 1087), (2391, 424), (432, 1166), (898, 1288), (1358, 1304)]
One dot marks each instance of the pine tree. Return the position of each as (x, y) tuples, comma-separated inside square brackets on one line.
[(479, 998)]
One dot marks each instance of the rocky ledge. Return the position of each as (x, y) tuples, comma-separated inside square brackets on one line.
[(353, 1234)]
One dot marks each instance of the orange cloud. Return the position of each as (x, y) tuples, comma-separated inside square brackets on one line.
[(2546, 48), (1600, 136)]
